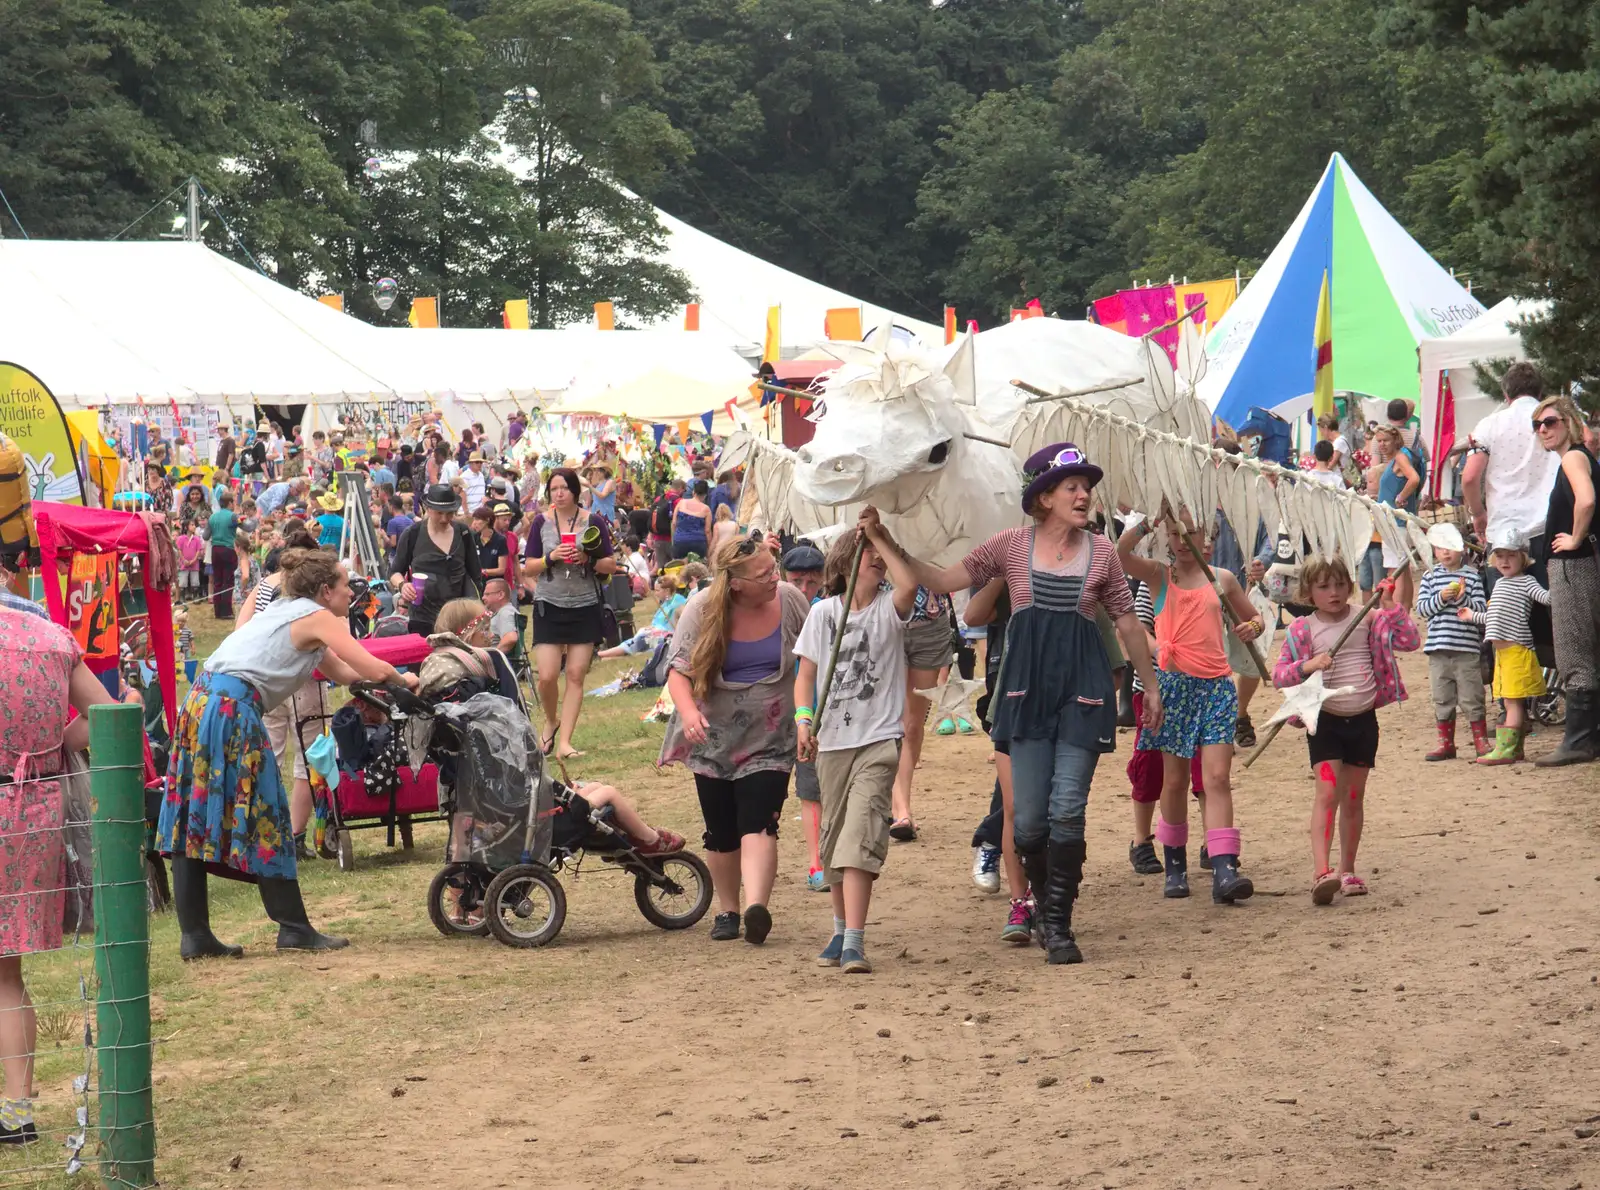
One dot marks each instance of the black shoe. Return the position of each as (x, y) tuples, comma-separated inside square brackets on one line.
[(1143, 858), (757, 924), (1227, 884), (194, 913), (284, 905), (1125, 716), (1205, 859), (301, 851), (1580, 738), (1244, 732), (1061, 892), (1177, 869), (725, 927), (24, 1135)]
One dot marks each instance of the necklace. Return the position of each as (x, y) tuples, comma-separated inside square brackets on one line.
[(1061, 546)]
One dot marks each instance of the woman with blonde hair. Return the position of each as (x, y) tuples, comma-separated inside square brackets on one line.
[(1574, 575), (731, 681)]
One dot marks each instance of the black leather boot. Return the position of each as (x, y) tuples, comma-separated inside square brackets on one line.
[(1125, 698), (1036, 866), (1061, 891), (284, 905), (1227, 883), (194, 913), (1580, 739), (1177, 866)]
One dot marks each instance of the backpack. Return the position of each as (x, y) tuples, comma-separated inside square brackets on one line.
[(654, 672)]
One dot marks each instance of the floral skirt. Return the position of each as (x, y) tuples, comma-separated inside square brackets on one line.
[(225, 802), (33, 866)]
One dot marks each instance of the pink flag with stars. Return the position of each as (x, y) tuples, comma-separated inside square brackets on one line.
[(1146, 309)]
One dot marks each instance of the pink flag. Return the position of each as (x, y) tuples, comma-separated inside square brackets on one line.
[(1147, 309), (1108, 312)]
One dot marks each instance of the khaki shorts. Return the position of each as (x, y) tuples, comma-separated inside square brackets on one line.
[(305, 702), (856, 807), (928, 644)]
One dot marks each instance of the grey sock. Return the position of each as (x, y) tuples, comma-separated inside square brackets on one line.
[(855, 940), (838, 926)]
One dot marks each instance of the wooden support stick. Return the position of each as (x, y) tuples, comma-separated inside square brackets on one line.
[(1040, 395), (838, 636)]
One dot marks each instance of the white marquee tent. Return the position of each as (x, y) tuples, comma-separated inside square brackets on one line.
[(1490, 336)]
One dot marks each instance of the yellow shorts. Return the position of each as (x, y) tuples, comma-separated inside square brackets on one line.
[(1517, 673)]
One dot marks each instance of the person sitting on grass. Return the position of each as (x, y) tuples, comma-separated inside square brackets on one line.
[(669, 602)]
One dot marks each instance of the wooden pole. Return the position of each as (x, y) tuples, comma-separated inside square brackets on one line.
[(1040, 395), (1272, 732), (838, 636)]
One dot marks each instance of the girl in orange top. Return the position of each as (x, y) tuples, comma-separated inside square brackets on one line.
[(1202, 707)]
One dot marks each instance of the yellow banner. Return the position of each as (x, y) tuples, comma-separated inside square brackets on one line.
[(516, 315), (605, 316), (30, 417), (1219, 296), (424, 312), (842, 323), (772, 341)]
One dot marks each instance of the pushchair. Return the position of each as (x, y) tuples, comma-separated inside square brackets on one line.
[(513, 827)]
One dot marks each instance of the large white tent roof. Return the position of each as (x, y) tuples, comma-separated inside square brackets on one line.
[(1490, 336)]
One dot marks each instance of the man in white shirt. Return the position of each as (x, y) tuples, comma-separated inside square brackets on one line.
[(474, 483), (1508, 476)]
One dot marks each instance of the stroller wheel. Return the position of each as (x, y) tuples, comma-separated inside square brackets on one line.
[(455, 901), (525, 906), (686, 897)]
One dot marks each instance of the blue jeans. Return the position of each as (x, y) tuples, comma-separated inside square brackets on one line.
[(1372, 569), (1049, 791)]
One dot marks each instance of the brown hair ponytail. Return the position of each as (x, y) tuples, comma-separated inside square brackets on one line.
[(307, 572)]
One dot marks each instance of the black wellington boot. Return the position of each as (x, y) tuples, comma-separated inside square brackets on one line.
[(1227, 883), (284, 905), (1177, 865), (1061, 891), (1036, 865), (1579, 742), (1125, 698), (194, 913)]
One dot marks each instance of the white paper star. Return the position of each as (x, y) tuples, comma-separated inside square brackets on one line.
[(1304, 702), (950, 697)]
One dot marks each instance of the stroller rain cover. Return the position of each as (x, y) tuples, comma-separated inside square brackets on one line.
[(501, 786)]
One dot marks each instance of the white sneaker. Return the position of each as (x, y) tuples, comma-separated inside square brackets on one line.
[(986, 868)]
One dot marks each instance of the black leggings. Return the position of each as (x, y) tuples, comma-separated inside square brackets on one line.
[(747, 805)]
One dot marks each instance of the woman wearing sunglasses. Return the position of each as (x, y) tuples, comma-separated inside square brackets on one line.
[(1055, 707), (732, 689), (1574, 573)]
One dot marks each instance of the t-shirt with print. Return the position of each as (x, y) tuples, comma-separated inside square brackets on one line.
[(867, 701)]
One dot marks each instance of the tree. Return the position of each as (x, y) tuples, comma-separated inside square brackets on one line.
[(579, 116)]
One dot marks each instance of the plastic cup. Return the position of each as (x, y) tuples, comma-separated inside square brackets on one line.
[(419, 586)]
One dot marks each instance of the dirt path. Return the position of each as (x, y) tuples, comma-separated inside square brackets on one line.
[(1272, 1044)]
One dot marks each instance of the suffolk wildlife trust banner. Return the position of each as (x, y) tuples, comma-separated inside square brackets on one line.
[(30, 417)]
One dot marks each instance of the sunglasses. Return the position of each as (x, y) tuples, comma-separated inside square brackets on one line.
[(1544, 423)]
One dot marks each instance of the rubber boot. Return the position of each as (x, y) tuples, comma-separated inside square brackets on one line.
[(1228, 884), (1447, 742), (1507, 747), (1125, 699), (194, 913), (1177, 866), (1579, 742), (1036, 866), (1061, 891), (284, 905), (1481, 743)]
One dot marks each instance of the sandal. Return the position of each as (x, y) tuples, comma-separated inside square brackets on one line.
[(963, 726), (547, 743), (903, 830), (1352, 885), (666, 843), (946, 727), (1324, 888)]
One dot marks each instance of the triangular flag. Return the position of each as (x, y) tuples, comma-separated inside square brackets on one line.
[(972, 326), (842, 323), (516, 315), (1018, 313), (705, 419), (683, 431), (1322, 388), (424, 312), (335, 300), (605, 317), (772, 344), (660, 431), (1033, 309), (949, 324), (691, 316)]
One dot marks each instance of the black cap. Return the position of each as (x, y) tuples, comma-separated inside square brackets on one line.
[(803, 557)]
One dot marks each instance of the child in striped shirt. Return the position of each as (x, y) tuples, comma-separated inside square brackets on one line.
[(1517, 673), (1454, 673)]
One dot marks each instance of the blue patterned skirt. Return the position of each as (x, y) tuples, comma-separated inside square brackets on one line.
[(225, 802)]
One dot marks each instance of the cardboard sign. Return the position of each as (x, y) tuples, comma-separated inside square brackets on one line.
[(92, 605)]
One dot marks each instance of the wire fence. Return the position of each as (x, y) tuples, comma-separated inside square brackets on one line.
[(74, 969)]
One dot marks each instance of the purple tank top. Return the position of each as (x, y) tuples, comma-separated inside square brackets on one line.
[(751, 660)]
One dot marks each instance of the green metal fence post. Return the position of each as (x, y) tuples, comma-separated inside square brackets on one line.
[(121, 946)]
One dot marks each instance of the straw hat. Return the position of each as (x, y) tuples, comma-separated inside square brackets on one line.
[(330, 501)]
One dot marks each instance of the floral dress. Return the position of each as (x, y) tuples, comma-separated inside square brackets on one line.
[(36, 663)]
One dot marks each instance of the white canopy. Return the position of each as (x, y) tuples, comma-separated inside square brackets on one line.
[(1490, 336)]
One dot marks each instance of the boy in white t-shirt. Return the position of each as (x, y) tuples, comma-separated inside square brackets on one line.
[(857, 741), (1323, 469)]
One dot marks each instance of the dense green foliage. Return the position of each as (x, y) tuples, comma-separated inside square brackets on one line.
[(978, 152)]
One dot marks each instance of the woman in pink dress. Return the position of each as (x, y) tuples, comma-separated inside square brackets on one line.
[(41, 674)]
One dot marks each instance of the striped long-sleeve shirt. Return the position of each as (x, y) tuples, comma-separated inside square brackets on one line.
[(1446, 632), (1509, 604)]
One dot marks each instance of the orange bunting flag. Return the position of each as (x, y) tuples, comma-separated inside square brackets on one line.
[(842, 323), (691, 316), (515, 316), (949, 324), (772, 341), (605, 317), (683, 431), (424, 312), (1018, 313), (333, 300)]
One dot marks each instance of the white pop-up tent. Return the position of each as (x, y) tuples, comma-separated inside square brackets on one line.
[(1490, 336)]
